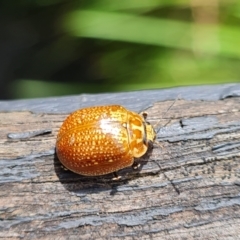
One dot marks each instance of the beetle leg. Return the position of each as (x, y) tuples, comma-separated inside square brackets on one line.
[(116, 176), (136, 166), (150, 145), (64, 168), (159, 145)]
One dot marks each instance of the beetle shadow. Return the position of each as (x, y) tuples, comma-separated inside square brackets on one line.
[(82, 185)]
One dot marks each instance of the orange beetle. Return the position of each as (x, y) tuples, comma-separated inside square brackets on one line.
[(104, 139)]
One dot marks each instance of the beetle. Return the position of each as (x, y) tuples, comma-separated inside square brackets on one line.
[(99, 140)]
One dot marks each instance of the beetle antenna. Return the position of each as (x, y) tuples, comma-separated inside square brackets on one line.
[(165, 175), (172, 183), (155, 126)]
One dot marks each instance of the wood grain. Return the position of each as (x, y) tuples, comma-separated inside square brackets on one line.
[(187, 188)]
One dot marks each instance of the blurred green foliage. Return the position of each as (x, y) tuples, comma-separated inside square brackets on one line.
[(106, 45)]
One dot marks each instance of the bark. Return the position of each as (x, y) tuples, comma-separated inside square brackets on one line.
[(188, 186)]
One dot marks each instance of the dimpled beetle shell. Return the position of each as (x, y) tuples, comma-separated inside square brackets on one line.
[(100, 140)]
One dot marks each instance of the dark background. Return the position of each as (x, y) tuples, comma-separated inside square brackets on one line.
[(60, 47)]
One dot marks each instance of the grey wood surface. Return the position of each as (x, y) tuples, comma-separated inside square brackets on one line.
[(188, 186)]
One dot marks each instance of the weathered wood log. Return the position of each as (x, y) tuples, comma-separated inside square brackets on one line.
[(187, 189)]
